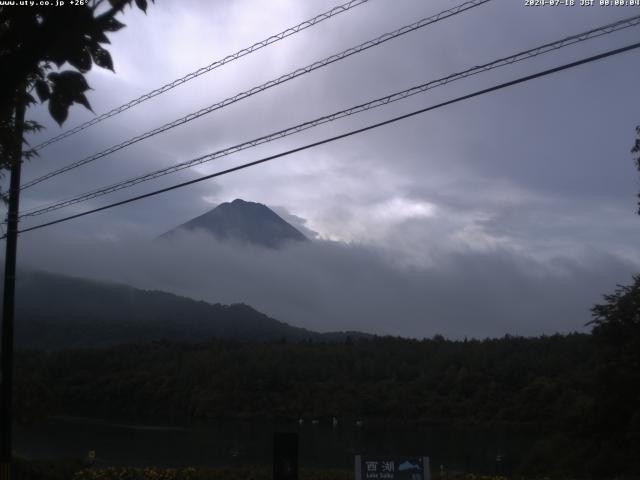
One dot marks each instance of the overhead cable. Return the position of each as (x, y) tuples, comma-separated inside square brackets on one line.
[(201, 71), (260, 88), (520, 56), (341, 136)]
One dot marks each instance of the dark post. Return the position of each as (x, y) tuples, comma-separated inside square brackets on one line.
[(9, 298), (285, 456)]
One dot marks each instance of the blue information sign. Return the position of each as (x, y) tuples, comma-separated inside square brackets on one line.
[(392, 468)]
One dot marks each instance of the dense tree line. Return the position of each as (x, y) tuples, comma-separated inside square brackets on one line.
[(615, 420), (580, 391), (510, 380)]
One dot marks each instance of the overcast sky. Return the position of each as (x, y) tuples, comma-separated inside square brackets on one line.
[(508, 213)]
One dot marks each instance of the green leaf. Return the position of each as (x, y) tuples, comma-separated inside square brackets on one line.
[(58, 56), (80, 59), (82, 100), (119, 4), (59, 109), (42, 89), (99, 36), (68, 88), (68, 82), (112, 25), (101, 57), (142, 5)]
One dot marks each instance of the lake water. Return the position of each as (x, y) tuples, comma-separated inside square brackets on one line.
[(251, 442)]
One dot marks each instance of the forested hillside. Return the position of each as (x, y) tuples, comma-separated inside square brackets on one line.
[(57, 311), (536, 380)]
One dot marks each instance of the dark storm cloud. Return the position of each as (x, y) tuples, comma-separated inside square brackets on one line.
[(511, 181)]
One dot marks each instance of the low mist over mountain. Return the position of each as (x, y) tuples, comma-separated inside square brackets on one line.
[(247, 222), (55, 311)]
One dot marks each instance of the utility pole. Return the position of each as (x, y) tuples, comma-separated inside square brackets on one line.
[(8, 300)]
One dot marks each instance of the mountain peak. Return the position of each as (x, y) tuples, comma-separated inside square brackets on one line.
[(245, 222)]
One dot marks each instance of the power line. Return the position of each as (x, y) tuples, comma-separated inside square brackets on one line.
[(201, 71), (344, 135), (542, 49), (593, 33), (272, 83)]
